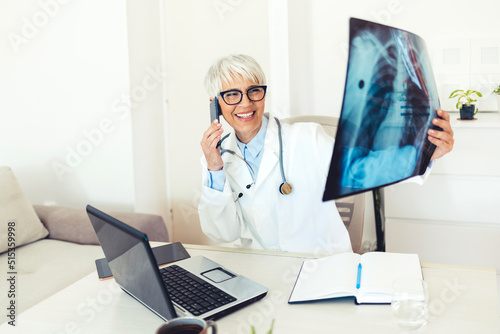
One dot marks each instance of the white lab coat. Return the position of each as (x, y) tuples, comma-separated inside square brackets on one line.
[(263, 218)]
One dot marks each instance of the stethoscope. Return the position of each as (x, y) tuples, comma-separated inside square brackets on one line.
[(285, 188)]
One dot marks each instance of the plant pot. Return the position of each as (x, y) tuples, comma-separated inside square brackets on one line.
[(467, 112)]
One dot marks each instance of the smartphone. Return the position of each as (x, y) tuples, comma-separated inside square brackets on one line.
[(163, 254), (214, 110)]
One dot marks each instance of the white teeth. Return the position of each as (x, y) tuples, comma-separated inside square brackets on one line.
[(247, 115)]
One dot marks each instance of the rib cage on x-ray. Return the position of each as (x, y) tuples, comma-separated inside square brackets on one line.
[(390, 99), (377, 79)]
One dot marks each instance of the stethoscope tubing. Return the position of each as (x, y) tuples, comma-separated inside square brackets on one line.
[(222, 151)]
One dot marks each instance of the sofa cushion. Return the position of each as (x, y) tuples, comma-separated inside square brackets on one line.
[(73, 224), (48, 266), (18, 213)]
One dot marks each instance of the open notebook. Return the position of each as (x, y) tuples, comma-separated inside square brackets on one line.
[(368, 277)]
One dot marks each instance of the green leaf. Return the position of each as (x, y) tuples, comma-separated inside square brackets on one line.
[(272, 326), (455, 93)]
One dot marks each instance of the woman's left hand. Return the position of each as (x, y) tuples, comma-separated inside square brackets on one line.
[(442, 139)]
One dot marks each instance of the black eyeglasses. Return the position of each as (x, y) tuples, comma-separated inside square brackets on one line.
[(234, 96)]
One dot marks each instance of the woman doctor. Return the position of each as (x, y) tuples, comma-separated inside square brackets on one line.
[(245, 199)]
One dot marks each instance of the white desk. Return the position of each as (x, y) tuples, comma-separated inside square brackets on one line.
[(463, 300)]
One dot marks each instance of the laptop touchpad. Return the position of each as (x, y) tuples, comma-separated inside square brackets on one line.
[(218, 275)]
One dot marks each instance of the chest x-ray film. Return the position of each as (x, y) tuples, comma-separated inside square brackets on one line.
[(390, 99)]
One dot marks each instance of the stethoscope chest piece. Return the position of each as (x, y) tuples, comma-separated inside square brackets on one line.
[(286, 188)]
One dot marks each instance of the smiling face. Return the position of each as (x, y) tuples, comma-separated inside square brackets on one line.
[(245, 117)]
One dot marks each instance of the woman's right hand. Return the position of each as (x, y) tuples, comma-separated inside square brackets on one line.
[(209, 146)]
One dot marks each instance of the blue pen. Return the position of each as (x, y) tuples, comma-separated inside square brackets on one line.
[(358, 281)]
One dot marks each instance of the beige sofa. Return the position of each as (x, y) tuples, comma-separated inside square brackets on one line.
[(47, 248)]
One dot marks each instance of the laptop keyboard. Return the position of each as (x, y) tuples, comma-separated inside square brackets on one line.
[(191, 292)]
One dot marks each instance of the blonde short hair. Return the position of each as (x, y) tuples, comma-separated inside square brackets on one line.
[(225, 69)]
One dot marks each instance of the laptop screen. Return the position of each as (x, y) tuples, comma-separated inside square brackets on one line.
[(390, 99), (132, 262)]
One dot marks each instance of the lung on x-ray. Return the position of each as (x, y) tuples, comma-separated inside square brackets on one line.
[(390, 99)]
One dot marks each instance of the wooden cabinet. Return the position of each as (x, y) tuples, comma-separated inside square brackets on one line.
[(454, 217)]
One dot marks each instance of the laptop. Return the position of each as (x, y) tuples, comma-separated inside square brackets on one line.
[(195, 286)]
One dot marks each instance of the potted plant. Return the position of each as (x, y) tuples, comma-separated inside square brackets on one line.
[(465, 101), (496, 91)]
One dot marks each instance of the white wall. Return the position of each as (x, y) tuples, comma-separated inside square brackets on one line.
[(319, 37), (63, 68), (148, 107)]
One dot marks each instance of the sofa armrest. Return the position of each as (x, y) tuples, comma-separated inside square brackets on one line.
[(73, 224)]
